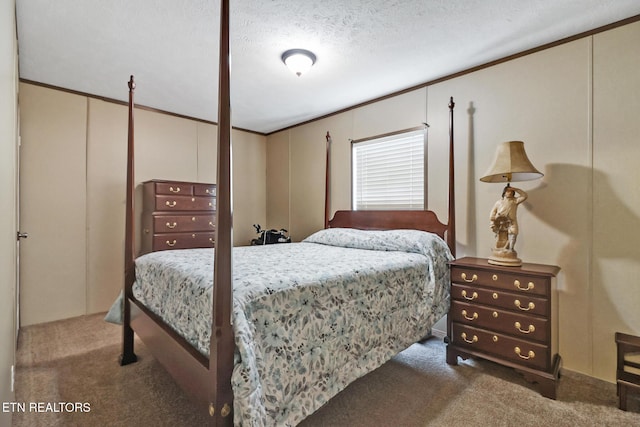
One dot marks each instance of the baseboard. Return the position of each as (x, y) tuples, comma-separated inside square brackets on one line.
[(438, 333)]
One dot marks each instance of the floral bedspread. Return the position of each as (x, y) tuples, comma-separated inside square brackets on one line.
[(310, 317)]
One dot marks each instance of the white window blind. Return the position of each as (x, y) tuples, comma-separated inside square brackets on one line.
[(388, 172)]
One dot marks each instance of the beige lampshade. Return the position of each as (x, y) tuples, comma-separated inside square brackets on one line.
[(511, 164)]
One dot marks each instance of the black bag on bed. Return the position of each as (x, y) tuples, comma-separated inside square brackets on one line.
[(270, 237)]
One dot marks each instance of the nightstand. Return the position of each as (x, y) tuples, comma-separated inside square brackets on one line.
[(507, 315), (628, 366)]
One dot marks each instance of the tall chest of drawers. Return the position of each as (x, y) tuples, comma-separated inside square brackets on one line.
[(507, 315), (178, 215)]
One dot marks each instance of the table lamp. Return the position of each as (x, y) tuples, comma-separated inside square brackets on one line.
[(511, 164)]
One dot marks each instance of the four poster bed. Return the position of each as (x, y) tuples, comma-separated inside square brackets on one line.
[(277, 330)]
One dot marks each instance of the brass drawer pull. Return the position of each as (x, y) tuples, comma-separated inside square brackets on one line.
[(171, 243), (529, 287), (473, 278), (471, 298), (174, 190), (531, 305), (211, 240), (211, 224), (210, 191), (528, 331), (210, 204), (531, 354), (170, 225), (171, 204), (471, 341), (474, 317)]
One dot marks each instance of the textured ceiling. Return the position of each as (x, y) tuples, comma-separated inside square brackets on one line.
[(365, 48)]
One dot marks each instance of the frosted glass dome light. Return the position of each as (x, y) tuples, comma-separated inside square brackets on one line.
[(299, 61)]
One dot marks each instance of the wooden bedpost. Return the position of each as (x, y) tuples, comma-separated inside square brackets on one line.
[(221, 347), (128, 356), (451, 232), (327, 183)]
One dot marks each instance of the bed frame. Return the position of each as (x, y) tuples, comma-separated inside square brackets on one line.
[(208, 380)]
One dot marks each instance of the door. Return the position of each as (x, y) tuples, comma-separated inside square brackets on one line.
[(20, 234), (52, 204)]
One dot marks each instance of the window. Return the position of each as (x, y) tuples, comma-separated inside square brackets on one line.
[(388, 172)]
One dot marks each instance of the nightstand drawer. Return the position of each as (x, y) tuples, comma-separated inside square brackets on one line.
[(498, 298), (514, 324), (522, 352), (513, 282)]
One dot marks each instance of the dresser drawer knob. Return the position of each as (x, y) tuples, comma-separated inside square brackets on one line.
[(474, 317), (211, 240), (495, 314), (494, 277), (529, 287), (210, 191), (174, 190), (471, 341), (211, 224), (473, 278), (172, 225), (494, 295), (530, 355), (471, 298), (528, 331), (171, 204), (518, 304), (495, 338), (171, 243)]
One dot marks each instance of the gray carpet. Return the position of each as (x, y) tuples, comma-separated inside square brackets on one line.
[(75, 360)]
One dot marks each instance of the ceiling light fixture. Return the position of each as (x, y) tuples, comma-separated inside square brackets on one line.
[(298, 60)]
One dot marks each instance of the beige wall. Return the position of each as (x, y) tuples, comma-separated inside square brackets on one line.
[(616, 200), (73, 192), (8, 227), (575, 106)]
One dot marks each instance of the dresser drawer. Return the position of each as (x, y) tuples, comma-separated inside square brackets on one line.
[(204, 190), (522, 352), (514, 282), (182, 223), (498, 298), (183, 241), (184, 203), (515, 324), (173, 188)]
